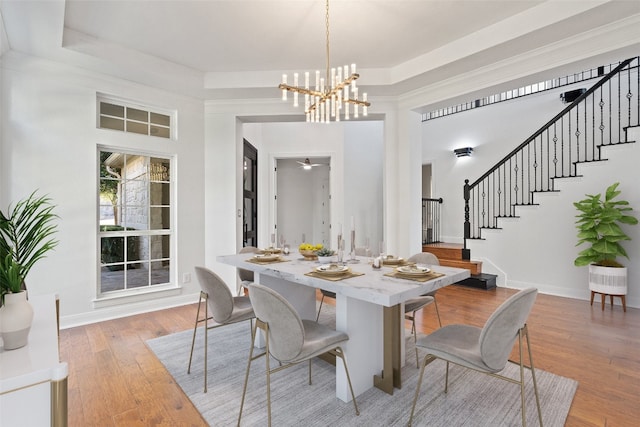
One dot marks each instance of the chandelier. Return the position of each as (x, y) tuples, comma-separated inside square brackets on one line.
[(332, 96)]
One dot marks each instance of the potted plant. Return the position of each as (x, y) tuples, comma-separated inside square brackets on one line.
[(598, 224), (25, 237), (325, 255)]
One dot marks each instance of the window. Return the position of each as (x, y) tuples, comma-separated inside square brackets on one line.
[(135, 231), (117, 115)]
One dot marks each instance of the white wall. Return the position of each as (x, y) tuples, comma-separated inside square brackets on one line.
[(303, 207), (539, 248), (49, 141)]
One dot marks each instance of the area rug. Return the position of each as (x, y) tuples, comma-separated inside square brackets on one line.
[(473, 399)]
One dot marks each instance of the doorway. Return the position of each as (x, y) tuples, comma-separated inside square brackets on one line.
[(302, 201), (250, 195)]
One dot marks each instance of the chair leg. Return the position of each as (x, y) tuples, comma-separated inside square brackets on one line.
[(446, 378), (522, 402), (338, 352), (268, 356), (195, 328), (206, 339), (415, 398), (320, 308), (206, 329), (533, 374), (246, 376), (435, 302), (415, 337)]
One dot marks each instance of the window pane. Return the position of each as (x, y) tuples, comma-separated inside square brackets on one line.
[(111, 123), (137, 248), (136, 127), (160, 132), (160, 193), (139, 115), (159, 218), (160, 272), (248, 174), (112, 250), (139, 277), (160, 248), (158, 170), (111, 109), (111, 280), (160, 119)]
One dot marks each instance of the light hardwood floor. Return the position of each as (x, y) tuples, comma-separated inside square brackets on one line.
[(115, 380)]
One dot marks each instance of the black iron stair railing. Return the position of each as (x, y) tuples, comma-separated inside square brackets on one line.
[(597, 118), (431, 224)]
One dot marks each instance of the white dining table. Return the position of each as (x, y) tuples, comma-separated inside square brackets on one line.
[(369, 308)]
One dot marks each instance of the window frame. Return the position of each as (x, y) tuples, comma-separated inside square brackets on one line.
[(112, 297), (150, 110)]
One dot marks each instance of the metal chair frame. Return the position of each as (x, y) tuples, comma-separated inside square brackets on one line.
[(337, 352), (205, 297), (522, 332)]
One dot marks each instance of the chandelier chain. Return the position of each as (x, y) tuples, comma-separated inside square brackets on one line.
[(327, 25)]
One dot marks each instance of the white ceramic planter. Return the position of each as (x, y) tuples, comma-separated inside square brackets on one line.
[(608, 280), (16, 316), (326, 259)]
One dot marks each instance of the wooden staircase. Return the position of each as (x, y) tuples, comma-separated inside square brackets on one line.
[(450, 255)]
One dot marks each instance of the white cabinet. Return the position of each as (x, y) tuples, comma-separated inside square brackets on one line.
[(33, 381)]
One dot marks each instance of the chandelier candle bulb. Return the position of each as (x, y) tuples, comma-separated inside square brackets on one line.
[(365, 110), (284, 91), (327, 99)]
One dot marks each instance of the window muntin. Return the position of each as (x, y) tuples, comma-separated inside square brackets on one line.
[(135, 232), (133, 119)]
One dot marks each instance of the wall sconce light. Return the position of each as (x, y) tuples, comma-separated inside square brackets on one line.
[(463, 152)]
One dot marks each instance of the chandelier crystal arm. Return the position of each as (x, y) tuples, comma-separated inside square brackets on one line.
[(332, 95)]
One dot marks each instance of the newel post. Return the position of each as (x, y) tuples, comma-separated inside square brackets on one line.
[(466, 252)]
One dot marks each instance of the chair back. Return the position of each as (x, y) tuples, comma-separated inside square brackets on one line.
[(219, 296), (246, 275), (286, 332), (501, 329), (424, 258)]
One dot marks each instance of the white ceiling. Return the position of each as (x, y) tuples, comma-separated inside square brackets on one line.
[(240, 48)]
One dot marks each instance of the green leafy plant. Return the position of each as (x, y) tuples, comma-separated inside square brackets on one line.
[(598, 225), (10, 278), (325, 252), (25, 237)]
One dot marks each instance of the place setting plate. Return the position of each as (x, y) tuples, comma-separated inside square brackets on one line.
[(269, 251), (266, 257), (332, 270), (391, 260), (412, 271)]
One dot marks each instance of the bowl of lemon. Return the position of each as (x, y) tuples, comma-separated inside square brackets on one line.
[(308, 250)]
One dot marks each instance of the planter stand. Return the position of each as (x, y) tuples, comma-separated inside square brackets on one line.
[(603, 296), (610, 281)]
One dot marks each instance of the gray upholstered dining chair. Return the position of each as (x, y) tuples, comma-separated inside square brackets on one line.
[(289, 339), (246, 276), (415, 304), (485, 349), (225, 310)]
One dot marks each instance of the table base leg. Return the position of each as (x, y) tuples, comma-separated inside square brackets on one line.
[(390, 377)]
